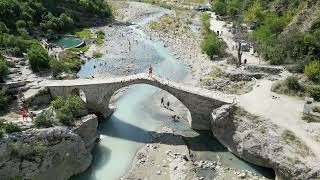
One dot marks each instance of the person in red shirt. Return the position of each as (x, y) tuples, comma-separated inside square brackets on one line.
[(150, 71), (24, 115)]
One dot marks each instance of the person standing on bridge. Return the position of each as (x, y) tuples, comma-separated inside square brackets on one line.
[(150, 71)]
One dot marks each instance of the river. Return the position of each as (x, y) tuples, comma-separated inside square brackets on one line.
[(127, 130)]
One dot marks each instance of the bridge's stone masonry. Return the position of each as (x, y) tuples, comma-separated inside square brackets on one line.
[(98, 92)]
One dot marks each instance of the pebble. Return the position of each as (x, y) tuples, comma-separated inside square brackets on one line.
[(158, 172), (242, 175)]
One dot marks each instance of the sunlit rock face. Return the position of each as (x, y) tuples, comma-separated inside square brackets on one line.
[(263, 143), (53, 153)]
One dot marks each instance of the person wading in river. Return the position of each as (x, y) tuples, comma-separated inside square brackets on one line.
[(162, 101), (150, 71)]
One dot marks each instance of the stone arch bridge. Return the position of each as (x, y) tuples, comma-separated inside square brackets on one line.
[(98, 92)]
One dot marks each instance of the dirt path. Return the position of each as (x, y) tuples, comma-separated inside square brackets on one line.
[(284, 111), (228, 37)]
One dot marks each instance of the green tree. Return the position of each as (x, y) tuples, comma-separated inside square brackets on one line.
[(38, 58), (255, 14), (21, 24), (211, 45), (220, 7)]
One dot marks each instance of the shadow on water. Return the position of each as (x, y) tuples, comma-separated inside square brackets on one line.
[(101, 155)]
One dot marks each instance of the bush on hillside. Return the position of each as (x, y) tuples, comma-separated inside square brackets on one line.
[(11, 128), (220, 7), (67, 110), (289, 86), (314, 91), (4, 71), (58, 102), (205, 24), (65, 116), (70, 63), (292, 83), (211, 45), (38, 58), (44, 120), (312, 70), (3, 28), (3, 100)]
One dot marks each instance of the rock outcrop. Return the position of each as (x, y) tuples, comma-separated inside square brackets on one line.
[(273, 70), (53, 153), (262, 143)]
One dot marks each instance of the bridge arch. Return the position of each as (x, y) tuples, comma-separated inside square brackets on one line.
[(80, 93), (175, 102)]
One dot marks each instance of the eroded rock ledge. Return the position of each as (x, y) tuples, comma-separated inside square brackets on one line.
[(262, 143), (52, 153)]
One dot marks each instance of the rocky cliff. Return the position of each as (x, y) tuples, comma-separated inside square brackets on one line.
[(53, 153), (260, 142)]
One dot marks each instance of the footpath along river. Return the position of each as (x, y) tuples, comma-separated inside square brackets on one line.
[(127, 130)]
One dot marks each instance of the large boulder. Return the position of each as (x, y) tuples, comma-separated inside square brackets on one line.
[(263, 143), (55, 153), (87, 130)]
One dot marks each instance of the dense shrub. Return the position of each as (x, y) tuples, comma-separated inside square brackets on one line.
[(3, 101), (211, 45), (15, 45), (65, 116), (3, 28), (4, 71), (11, 128), (205, 24), (96, 54), (58, 102), (220, 7), (38, 58), (314, 91), (289, 86), (68, 110), (293, 83), (8, 127), (24, 19), (312, 70), (100, 37), (44, 120), (70, 63)]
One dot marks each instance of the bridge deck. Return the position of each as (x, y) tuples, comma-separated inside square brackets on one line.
[(152, 80)]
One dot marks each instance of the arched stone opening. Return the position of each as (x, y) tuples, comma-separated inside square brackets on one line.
[(177, 110), (80, 93)]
